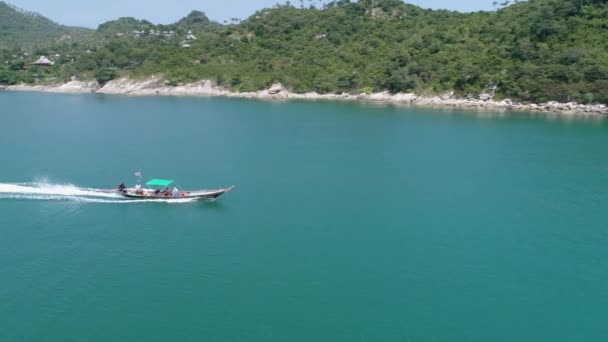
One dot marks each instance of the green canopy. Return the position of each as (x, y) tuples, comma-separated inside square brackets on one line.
[(159, 182)]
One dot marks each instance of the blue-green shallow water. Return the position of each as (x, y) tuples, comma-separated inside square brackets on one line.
[(348, 223)]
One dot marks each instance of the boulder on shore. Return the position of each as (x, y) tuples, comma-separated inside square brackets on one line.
[(276, 89)]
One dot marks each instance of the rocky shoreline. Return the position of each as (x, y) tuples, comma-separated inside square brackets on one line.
[(157, 86)]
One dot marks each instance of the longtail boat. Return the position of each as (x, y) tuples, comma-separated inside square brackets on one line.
[(161, 189)]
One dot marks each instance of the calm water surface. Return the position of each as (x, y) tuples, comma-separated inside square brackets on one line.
[(349, 223)]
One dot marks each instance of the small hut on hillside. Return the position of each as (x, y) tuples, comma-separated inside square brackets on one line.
[(43, 61), (190, 36)]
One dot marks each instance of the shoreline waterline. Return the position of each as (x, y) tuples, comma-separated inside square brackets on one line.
[(157, 87)]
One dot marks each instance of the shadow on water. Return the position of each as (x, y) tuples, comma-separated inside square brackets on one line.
[(214, 204), (211, 204)]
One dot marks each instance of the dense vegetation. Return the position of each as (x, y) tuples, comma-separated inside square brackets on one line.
[(21, 29), (533, 51)]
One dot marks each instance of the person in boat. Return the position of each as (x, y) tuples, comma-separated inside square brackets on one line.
[(156, 192), (138, 189), (122, 187), (175, 192)]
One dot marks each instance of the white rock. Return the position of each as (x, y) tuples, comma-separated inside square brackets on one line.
[(275, 89), (485, 97)]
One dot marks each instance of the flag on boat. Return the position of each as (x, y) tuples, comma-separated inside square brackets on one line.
[(138, 174)]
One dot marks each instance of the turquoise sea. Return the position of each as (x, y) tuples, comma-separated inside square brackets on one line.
[(349, 222)]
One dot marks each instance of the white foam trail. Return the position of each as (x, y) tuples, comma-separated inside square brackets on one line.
[(54, 189), (57, 192)]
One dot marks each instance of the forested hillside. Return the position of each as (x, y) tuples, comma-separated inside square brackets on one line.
[(532, 51), (22, 29)]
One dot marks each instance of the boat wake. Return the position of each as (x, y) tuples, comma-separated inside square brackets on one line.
[(60, 192)]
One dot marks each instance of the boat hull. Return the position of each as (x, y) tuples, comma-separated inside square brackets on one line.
[(195, 194)]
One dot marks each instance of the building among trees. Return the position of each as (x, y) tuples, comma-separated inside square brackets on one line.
[(43, 61)]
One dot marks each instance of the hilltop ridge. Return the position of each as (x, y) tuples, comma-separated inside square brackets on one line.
[(20, 28)]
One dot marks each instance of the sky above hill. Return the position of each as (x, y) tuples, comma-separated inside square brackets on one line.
[(92, 13)]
